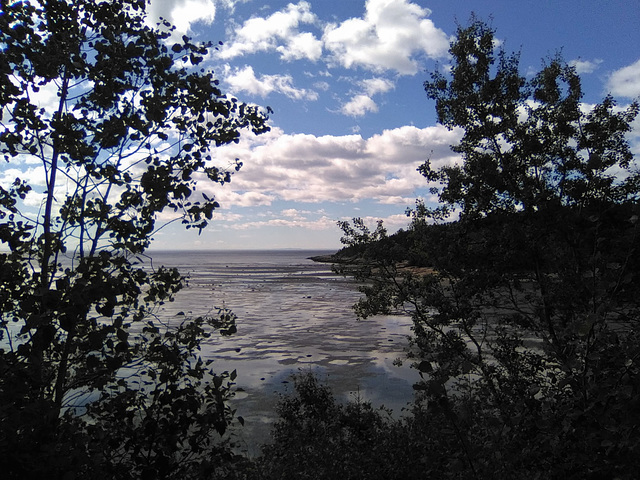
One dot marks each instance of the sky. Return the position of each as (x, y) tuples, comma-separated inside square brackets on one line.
[(351, 121)]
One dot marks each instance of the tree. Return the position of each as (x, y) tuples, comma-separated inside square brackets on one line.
[(526, 322), (90, 381)]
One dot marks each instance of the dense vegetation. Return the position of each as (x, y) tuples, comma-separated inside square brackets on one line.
[(523, 286), (525, 303), (526, 323), (525, 307), (92, 384)]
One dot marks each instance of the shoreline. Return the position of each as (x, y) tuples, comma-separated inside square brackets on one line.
[(330, 258)]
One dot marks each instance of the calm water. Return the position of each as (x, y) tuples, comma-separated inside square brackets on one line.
[(293, 315)]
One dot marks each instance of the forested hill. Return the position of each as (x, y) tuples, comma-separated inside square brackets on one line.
[(399, 243), (468, 244)]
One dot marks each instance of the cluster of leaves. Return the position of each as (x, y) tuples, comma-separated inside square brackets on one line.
[(90, 381), (317, 437), (526, 324)]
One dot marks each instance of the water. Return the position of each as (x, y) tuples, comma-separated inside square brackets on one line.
[(293, 315)]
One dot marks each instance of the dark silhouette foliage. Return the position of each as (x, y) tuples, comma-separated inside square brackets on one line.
[(526, 321), (317, 437), (91, 382)]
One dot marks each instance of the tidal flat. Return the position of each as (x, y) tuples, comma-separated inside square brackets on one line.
[(293, 315)]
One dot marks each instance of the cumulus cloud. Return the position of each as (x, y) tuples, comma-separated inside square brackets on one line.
[(585, 66), (359, 105), (35, 175), (377, 85), (294, 213), (278, 32), (303, 45), (183, 13), (625, 82), (228, 196), (245, 80), (362, 103), (389, 36), (347, 168)]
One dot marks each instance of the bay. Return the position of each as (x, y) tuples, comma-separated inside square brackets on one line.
[(293, 315)]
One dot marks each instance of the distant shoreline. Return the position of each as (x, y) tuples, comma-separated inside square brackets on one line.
[(337, 258), (329, 258)]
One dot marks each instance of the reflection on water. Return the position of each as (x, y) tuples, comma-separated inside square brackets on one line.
[(293, 315)]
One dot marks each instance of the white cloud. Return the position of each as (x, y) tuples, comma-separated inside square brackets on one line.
[(183, 13), (324, 86), (323, 223), (387, 38), (585, 66), (231, 4), (348, 168), (35, 176), (278, 32), (362, 103), (227, 216), (303, 45), (377, 85), (358, 106), (227, 196), (294, 213), (245, 80), (46, 97), (305, 220), (625, 82)]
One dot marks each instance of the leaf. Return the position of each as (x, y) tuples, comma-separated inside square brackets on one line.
[(467, 367), (425, 366), (122, 335)]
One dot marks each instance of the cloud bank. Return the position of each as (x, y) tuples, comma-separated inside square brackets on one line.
[(389, 37), (349, 168)]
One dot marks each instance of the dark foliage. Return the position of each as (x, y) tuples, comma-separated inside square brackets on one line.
[(91, 383), (526, 323), (318, 438)]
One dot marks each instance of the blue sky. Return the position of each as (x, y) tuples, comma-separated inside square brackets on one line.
[(351, 120)]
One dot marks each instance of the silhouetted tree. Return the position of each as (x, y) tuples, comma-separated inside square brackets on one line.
[(526, 326), (91, 383)]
